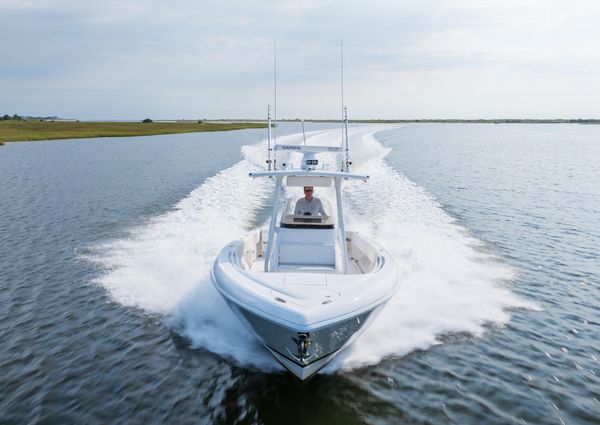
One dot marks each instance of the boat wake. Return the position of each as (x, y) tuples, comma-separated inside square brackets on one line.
[(449, 284)]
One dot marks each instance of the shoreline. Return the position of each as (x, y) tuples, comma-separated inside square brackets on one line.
[(457, 121), (15, 131)]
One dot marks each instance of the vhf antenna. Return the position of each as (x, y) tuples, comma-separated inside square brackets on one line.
[(348, 162), (269, 149), (345, 161), (275, 100), (303, 133)]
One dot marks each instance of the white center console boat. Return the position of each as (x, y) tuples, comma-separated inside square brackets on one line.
[(306, 287)]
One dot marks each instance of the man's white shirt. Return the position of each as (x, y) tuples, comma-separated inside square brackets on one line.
[(314, 207)]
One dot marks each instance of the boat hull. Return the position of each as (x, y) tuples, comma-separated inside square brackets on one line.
[(304, 317), (304, 351)]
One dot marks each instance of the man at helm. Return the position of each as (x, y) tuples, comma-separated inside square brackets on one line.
[(309, 205)]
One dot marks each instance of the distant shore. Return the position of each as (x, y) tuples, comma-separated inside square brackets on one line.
[(26, 130), (460, 121), (36, 130)]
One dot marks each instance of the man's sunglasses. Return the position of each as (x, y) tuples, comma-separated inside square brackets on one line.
[(308, 190)]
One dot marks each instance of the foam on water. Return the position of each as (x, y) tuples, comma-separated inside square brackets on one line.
[(449, 283)]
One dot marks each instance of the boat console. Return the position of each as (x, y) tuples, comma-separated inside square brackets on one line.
[(291, 221)]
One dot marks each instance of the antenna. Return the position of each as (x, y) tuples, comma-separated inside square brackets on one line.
[(303, 133), (342, 92), (275, 95), (269, 150), (348, 163), (345, 161)]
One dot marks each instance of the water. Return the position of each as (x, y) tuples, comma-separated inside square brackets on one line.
[(107, 312)]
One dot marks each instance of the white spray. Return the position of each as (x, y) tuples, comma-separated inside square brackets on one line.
[(448, 283)]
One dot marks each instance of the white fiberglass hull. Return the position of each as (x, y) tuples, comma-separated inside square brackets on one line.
[(304, 351), (304, 318)]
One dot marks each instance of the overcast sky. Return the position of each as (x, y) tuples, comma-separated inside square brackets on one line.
[(130, 59)]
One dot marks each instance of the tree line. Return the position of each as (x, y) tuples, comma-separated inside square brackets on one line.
[(15, 117)]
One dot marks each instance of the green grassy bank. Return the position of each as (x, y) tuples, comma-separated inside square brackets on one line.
[(18, 131)]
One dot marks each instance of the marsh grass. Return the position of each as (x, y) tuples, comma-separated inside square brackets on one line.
[(18, 131)]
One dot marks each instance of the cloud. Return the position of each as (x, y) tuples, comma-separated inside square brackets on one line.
[(213, 58)]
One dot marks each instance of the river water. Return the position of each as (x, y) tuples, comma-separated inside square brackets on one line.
[(107, 313)]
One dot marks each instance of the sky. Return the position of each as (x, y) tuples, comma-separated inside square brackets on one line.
[(130, 59)]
